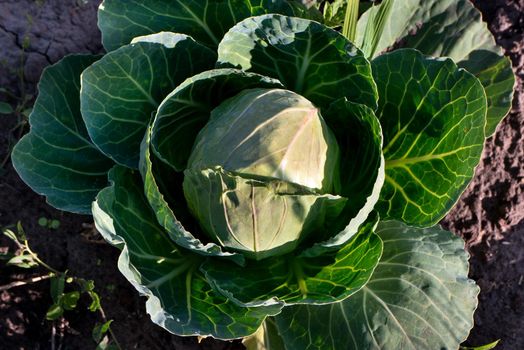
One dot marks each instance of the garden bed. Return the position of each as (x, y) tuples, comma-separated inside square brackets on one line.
[(33, 34)]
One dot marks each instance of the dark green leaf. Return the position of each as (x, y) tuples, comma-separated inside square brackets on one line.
[(314, 61), (187, 109), (433, 118), (57, 287), (122, 90), (451, 28), (179, 297), (205, 20), (419, 297), (21, 232), (288, 280), (5, 108), (54, 312), (57, 158)]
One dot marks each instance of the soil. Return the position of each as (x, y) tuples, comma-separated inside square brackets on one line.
[(36, 33), (490, 214)]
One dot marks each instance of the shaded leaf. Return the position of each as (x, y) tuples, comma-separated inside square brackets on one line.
[(57, 159), (57, 287), (205, 20), (122, 90), (307, 57), (21, 232), (5, 108)]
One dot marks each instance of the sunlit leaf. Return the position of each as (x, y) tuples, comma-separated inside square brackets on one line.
[(433, 116), (419, 297), (450, 28)]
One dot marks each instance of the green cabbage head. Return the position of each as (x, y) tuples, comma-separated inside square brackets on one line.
[(260, 173)]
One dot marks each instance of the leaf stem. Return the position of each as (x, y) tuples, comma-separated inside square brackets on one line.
[(37, 259), (349, 29), (26, 281), (104, 318), (299, 275)]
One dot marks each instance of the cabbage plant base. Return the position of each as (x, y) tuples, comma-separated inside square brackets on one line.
[(410, 130)]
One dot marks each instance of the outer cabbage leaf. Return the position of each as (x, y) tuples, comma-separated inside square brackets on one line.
[(179, 297), (205, 20), (57, 159), (289, 280), (433, 118), (186, 110), (359, 135), (120, 91), (451, 28), (307, 57), (419, 297), (158, 192)]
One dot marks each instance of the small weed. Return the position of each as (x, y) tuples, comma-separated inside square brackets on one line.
[(65, 290), (49, 223)]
